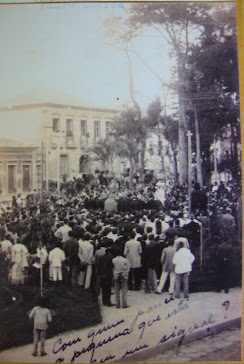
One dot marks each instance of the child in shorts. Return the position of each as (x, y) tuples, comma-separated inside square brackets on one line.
[(42, 317)]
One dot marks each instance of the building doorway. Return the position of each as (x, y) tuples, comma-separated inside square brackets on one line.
[(64, 167), (11, 179), (83, 163), (26, 179)]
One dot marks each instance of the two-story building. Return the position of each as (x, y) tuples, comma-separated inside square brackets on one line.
[(61, 130), (69, 134)]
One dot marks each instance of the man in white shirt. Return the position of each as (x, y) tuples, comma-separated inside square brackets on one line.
[(56, 258), (179, 240), (64, 231), (6, 247), (160, 194), (113, 234), (215, 187), (110, 204), (132, 252), (182, 260), (164, 225), (19, 201), (85, 255)]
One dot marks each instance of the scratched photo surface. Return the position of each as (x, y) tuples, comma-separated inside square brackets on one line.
[(120, 183)]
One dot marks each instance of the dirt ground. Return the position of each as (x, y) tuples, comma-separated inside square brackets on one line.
[(70, 309)]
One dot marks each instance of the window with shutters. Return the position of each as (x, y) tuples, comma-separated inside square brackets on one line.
[(63, 164), (83, 127), (69, 127), (97, 129), (108, 127), (56, 125)]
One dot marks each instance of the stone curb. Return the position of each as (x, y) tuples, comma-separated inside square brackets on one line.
[(160, 349)]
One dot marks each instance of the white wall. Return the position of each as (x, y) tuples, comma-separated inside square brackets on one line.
[(21, 125)]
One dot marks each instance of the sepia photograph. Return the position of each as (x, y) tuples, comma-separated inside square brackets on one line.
[(120, 182)]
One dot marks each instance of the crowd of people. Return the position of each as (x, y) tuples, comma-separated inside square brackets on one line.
[(98, 233)]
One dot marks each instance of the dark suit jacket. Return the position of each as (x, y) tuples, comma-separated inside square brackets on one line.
[(105, 266)]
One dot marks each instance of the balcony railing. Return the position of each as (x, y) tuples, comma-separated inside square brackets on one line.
[(69, 133)]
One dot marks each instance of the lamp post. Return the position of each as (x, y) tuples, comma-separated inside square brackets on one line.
[(58, 160)]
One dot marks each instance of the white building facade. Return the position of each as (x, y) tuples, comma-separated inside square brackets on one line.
[(64, 134), (69, 134)]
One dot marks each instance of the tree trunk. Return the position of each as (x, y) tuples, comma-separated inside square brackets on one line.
[(142, 160), (131, 88), (131, 173), (183, 158), (182, 127), (160, 151), (234, 153), (175, 165), (206, 168), (111, 166)]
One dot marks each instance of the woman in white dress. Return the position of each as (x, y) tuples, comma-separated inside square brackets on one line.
[(20, 263)]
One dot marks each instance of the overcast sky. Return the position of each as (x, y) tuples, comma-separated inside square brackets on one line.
[(63, 47)]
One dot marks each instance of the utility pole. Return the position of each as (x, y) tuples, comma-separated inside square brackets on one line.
[(189, 135), (58, 159), (42, 170), (46, 133), (47, 161), (58, 168)]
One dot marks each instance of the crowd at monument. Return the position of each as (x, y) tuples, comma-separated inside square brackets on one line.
[(98, 233)]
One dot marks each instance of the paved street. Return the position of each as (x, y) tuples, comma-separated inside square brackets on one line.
[(224, 346)]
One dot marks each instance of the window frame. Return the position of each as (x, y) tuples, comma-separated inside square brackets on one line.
[(57, 128)]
